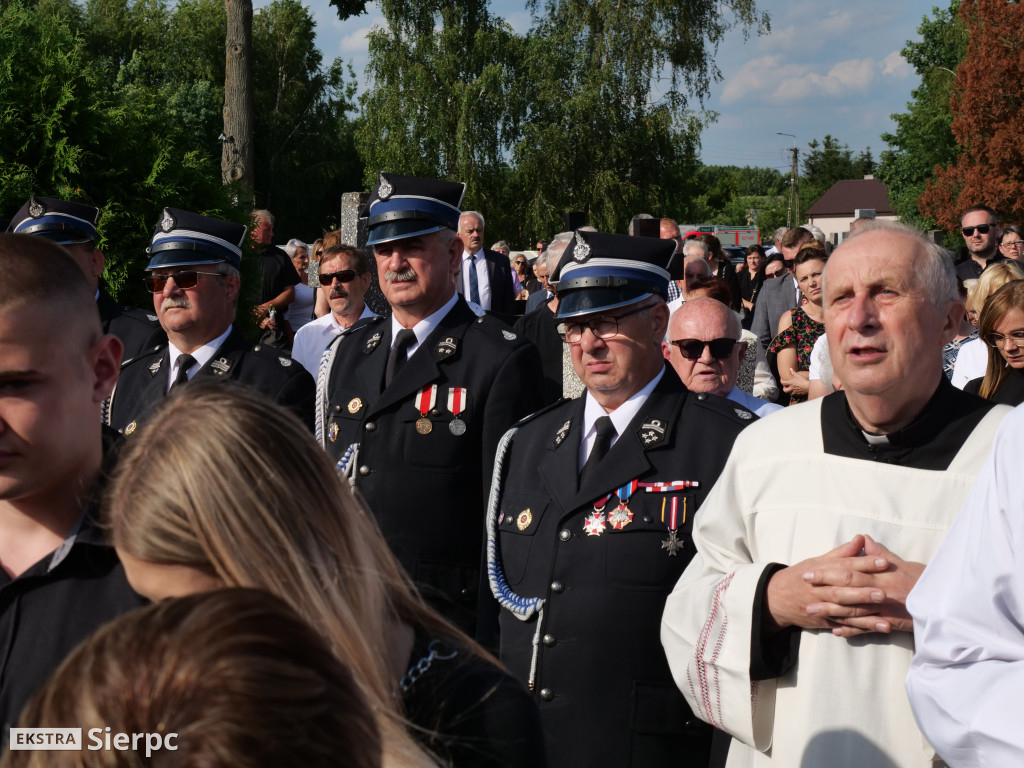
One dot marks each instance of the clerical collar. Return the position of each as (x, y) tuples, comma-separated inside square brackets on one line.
[(930, 441)]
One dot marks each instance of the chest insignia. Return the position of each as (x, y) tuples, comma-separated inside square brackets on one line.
[(130, 429), (355, 405), (523, 519), (594, 524), (332, 432), (447, 347), (286, 362), (151, 318), (745, 415), (154, 369), (372, 342), (673, 543), (221, 366), (652, 432), (562, 432), (509, 336)]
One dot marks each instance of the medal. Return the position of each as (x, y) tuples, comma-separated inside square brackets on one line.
[(332, 432), (594, 525), (524, 519), (354, 405), (457, 404), (622, 516), (673, 543), (424, 401)]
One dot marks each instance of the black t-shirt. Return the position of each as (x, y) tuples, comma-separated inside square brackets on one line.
[(276, 273)]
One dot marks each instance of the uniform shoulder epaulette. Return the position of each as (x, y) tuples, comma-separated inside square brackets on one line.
[(541, 411), (498, 329), (275, 357), (724, 406), (155, 349)]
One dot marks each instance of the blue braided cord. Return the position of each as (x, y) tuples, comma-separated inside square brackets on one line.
[(523, 608), (342, 466), (105, 410)]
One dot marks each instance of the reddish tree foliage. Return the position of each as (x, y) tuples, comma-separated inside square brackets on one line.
[(988, 119)]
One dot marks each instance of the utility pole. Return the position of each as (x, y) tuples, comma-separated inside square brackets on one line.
[(794, 195)]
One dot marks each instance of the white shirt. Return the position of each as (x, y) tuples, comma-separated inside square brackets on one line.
[(424, 327), (483, 280), (312, 339), (967, 673), (203, 355), (620, 417), (971, 361), (819, 350)]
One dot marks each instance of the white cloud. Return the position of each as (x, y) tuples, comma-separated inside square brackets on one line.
[(894, 65), (757, 77), (355, 42), (846, 77)]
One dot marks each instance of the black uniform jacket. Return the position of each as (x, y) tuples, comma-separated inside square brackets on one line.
[(427, 491), (142, 385), (138, 330), (605, 691)]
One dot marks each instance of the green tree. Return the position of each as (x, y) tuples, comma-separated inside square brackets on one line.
[(824, 165), (923, 138)]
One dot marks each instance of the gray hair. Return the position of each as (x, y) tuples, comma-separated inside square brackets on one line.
[(479, 216), (689, 245), (263, 213), (1008, 229), (816, 231), (778, 234), (501, 244), (292, 246), (556, 248), (934, 270)]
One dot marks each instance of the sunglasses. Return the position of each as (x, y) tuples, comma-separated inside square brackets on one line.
[(982, 230), (188, 278), (773, 275), (344, 276), (692, 349)]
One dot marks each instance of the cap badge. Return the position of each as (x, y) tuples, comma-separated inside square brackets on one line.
[(384, 189), (167, 221), (581, 252), (35, 208), (131, 428)]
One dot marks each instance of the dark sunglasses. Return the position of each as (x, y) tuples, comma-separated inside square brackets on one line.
[(982, 230), (773, 275), (188, 278), (692, 349), (344, 276)]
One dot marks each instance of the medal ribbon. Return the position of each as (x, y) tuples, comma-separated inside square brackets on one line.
[(600, 503), (626, 491), (673, 507), (670, 486), (456, 400), (425, 399)]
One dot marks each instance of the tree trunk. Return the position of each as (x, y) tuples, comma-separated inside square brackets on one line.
[(237, 157)]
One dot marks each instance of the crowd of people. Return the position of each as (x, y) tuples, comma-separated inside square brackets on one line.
[(618, 503)]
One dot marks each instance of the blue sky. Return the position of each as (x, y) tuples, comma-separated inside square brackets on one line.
[(825, 68)]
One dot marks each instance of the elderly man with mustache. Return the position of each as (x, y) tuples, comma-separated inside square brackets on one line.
[(345, 276), (412, 406), (193, 276)]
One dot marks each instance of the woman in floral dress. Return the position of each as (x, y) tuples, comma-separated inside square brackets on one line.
[(799, 328)]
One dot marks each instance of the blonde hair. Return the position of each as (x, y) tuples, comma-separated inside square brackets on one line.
[(1010, 296), (226, 679), (992, 279), (224, 481)]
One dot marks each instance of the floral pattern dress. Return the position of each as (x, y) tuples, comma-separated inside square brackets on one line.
[(802, 334)]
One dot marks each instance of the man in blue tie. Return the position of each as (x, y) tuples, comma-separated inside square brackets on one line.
[(486, 276)]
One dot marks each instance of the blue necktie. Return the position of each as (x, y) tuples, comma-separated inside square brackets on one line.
[(474, 282)]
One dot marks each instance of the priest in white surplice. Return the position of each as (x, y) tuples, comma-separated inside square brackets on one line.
[(789, 628)]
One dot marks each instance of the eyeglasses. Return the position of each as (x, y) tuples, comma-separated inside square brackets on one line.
[(1013, 244), (601, 327), (188, 278), (692, 349), (344, 276), (773, 275), (996, 340), (982, 229)]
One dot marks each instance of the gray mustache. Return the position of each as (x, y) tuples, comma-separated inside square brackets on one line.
[(181, 302), (406, 275)]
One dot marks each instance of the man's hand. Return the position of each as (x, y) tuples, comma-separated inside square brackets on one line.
[(795, 593), (885, 609)]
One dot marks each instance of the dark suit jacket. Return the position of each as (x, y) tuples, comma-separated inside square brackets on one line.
[(600, 655), (137, 330), (499, 273), (539, 327), (142, 385), (774, 299), (428, 491)]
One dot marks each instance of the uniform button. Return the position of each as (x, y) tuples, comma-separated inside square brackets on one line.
[(464, 591), (337, 409), (648, 519), (702, 396), (370, 426), (557, 587), (546, 694), (364, 470), (434, 412), (549, 640), (565, 534)]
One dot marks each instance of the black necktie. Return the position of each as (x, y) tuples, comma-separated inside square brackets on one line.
[(399, 354), (605, 434), (185, 362)]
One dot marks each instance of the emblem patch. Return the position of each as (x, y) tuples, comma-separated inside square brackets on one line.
[(167, 221), (384, 189), (35, 208), (563, 430), (221, 365), (372, 342), (131, 428), (285, 361), (155, 367), (652, 432), (524, 519), (509, 336), (354, 405), (746, 415), (447, 347), (581, 251)]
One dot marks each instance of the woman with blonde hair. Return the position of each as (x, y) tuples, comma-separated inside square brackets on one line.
[(972, 359), (222, 488), (1002, 330), (226, 679)]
